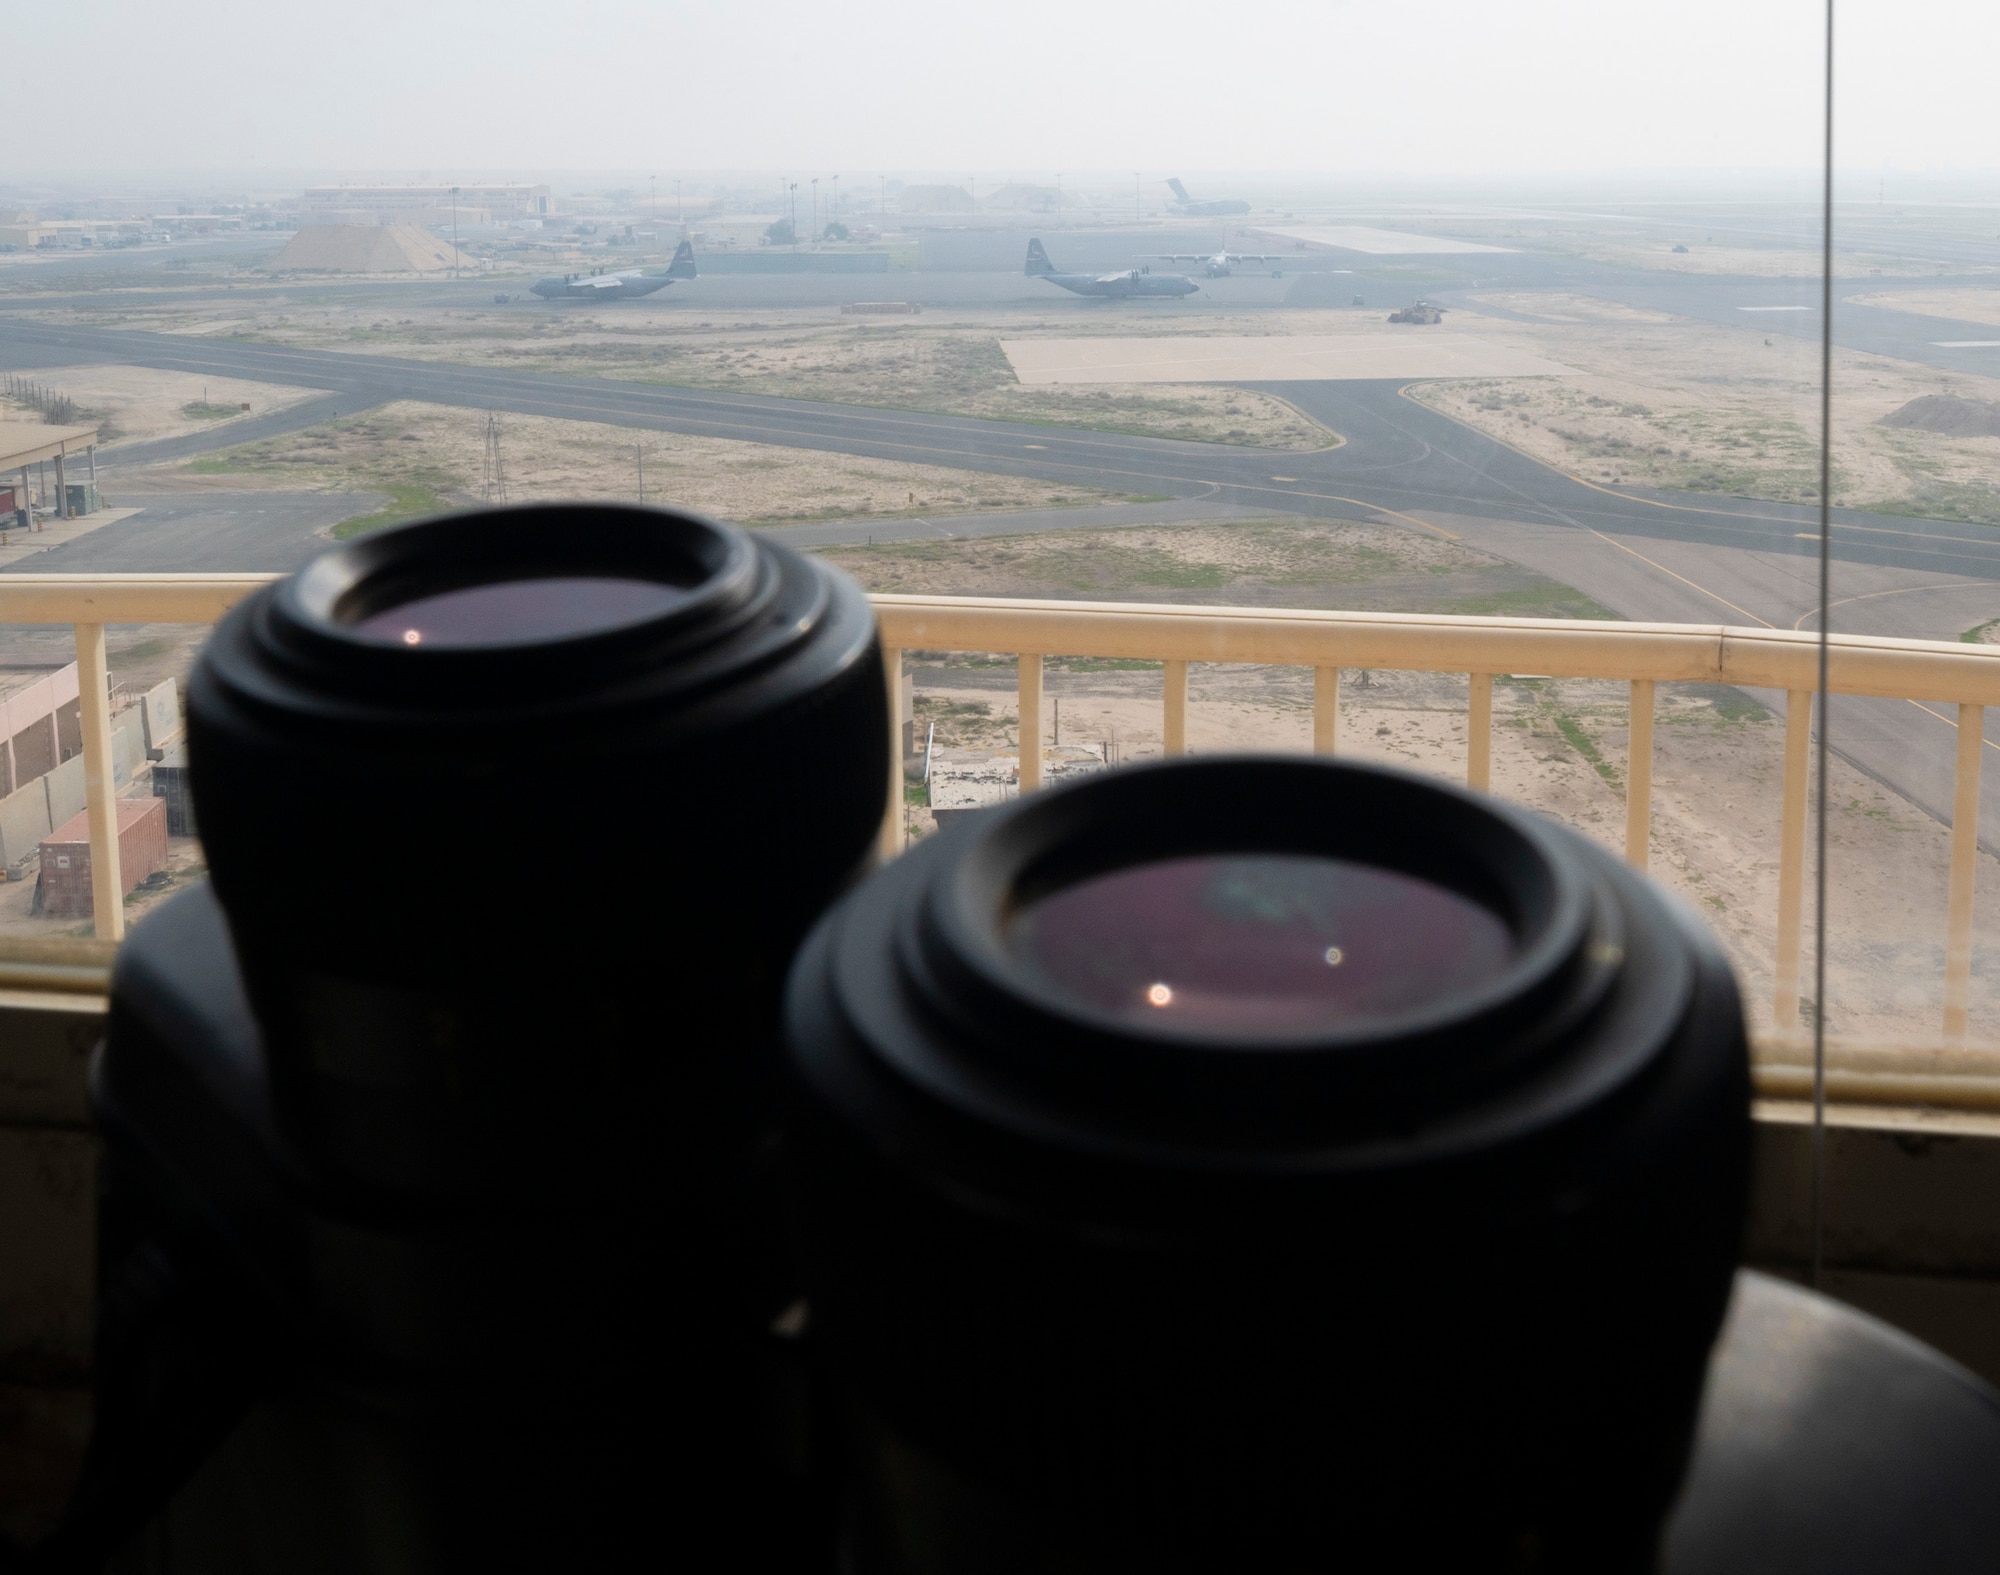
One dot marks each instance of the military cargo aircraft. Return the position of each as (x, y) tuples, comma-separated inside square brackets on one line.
[(1217, 266), (622, 286), (1217, 208), (1125, 286)]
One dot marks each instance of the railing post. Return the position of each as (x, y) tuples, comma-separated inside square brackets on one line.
[(1173, 732), (1792, 860), (893, 818), (1326, 710), (1479, 733), (1639, 777), (100, 787), (1031, 722), (1964, 867)]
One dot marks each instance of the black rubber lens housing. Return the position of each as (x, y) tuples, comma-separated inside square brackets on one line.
[(1327, 1268), (517, 817)]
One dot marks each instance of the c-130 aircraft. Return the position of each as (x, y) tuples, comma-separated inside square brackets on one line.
[(1118, 286), (621, 286)]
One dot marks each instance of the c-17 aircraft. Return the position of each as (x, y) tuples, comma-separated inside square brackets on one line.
[(1214, 208), (621, 286), (1119, 286), (1217, 266)]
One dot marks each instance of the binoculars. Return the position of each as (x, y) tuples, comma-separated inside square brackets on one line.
[(549, 1142)]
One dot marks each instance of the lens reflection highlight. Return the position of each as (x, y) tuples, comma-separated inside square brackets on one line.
[(521, 612), (1271, 945)]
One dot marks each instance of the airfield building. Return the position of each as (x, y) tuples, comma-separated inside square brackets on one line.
[(422, 204)]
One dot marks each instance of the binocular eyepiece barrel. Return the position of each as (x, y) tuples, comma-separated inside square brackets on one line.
[(1252, 1162), (1264, 1163)]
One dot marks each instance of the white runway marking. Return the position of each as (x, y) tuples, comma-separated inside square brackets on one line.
[(1435, 351), (1967, 344), (1774, 308)]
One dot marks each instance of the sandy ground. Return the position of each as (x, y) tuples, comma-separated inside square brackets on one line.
[(1654, 400), (1560, 748), (137, 404), (186, 863), (1969, 306), (947, 361), (1667, 402), (1256, 563), (433, 456)]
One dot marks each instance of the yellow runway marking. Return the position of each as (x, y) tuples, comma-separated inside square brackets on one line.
[(1950, 722), (1690, 584), (1869, 596)]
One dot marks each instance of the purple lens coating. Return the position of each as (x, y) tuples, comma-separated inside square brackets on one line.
[(1259, 945), (521, 612)]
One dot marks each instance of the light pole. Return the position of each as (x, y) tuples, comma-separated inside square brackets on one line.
[(815, 209), (454, 232), (833, 203), (793, 217)]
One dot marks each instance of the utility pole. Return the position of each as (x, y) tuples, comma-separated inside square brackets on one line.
[(454, 232)]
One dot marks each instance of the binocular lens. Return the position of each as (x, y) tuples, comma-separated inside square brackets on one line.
[(520, 612), (1263, 1163), (1258, 945)]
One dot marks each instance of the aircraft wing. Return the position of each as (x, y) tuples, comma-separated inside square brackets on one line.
[(1176, 256), (1251, 257), (603, 281)]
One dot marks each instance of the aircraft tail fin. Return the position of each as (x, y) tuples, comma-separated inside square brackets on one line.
[(1038, 260), (1180, 191), (682, 267)]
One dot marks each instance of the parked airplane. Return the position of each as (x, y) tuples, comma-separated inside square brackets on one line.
[(621, 286), (1119, 286), (1220, 208), (1216, 267)]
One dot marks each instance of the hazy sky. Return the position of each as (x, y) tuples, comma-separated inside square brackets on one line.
[(1401, 86)]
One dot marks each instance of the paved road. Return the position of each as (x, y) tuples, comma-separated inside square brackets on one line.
[(206, 532), (1671, 556), (1398, 455)]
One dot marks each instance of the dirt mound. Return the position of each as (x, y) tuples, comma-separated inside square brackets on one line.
[(1949, 414), (364, 248)]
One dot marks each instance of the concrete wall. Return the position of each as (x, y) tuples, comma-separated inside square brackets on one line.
[(160, 714), (128, 750), (65, 790), (24, 821)]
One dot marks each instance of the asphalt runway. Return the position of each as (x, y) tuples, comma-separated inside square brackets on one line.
[(1678, 557), (206, 533)]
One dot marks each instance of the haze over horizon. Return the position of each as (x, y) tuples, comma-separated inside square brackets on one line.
[(1432, 88)]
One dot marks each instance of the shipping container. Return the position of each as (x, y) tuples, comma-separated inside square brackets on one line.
[(63, 888)]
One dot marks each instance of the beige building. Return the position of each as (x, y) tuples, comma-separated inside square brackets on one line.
[(20, 230)]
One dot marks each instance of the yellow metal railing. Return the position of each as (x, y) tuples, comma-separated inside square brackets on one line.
[(1641, 655)]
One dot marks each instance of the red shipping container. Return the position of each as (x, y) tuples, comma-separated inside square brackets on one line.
[(142, 849)]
